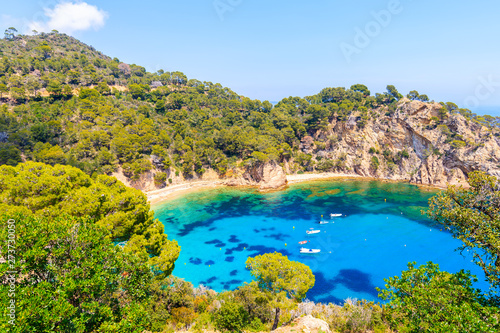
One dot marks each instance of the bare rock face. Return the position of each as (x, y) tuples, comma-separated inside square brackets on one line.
[(268, 175), (307, 324), (412, 143), (307, 144), (144, 183)]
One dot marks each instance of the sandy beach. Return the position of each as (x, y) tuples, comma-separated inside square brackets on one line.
[(317, 176), (172, 191)]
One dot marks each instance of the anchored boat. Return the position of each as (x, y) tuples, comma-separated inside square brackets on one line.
[(304, 250)]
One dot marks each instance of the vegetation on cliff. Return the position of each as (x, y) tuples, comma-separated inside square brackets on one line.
[(77, 116), (124, 213), (63, 102)]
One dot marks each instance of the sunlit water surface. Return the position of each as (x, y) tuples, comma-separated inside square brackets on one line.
[(382, 230)]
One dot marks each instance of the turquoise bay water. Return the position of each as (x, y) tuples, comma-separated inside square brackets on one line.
[(383, 230)]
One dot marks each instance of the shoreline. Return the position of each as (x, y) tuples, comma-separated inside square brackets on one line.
[(299, 178), (157, 196), (172, 191)]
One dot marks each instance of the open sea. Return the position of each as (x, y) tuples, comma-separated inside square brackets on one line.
[(381, 230)]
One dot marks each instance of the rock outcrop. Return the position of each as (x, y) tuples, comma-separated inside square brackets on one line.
[(269, 175), (416, 143), (307, 324), (411, 144)]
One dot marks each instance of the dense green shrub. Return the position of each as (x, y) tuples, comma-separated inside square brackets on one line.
[(160, 178), (374, 164), (404, 154), (325, 165), (458, 144), (427, 299), (68, 266), (231, 317)]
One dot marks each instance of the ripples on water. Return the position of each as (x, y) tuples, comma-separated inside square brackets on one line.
[(382, 231)]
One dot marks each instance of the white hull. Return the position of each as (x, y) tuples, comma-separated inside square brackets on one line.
[(310, 251)]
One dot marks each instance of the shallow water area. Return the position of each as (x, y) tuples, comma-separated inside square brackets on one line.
[(381, 230)]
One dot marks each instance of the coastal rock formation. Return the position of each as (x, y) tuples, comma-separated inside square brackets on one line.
[(269, 175), (415, 143), (305, 324)]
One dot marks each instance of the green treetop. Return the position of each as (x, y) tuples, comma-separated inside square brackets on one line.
[(473, 216), (71, 279), (425, 299), (43, 190), (282, 277)]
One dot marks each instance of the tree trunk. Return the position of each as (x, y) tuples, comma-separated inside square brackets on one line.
[(276, 319)]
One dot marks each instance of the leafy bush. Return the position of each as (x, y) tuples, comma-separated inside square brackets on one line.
[(9, 154), (404, 154), (457, 144), (426, 298), (183, 316), (374, 164), (256, 326), (445, 130), (261, 157), (160, 178), (325, 165), (231, 317), (68, 266)]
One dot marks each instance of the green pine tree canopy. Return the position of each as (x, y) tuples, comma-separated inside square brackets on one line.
[(70, 117), (63, 102)]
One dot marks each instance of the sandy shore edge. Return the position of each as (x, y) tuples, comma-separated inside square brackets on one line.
[(297, 178), (157, 196), (172, 191)]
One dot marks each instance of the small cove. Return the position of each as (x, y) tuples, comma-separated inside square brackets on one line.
[(381, 231)]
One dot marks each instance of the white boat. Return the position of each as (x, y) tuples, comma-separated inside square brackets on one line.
[(310, 232), (335, 215), (323, 222), (304, 250)]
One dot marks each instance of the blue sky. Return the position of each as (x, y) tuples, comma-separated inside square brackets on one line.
[(448, 50)]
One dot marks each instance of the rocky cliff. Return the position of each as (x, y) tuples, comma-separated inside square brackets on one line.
[(269, 175), (415, 143), (264, 176)]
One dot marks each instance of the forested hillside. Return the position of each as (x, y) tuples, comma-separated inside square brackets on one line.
[(85, 254), (63, 102)]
